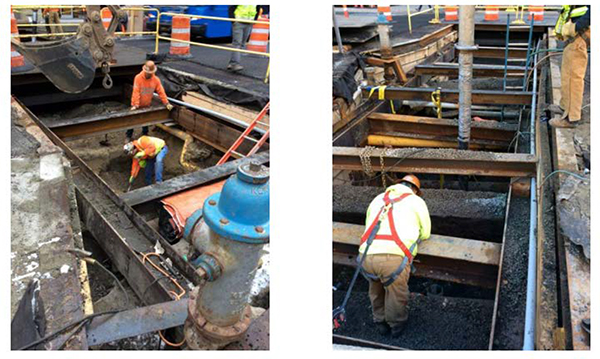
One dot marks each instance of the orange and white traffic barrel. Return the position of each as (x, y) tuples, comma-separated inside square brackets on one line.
[(180, 30), (346, 13), (106, 17), (384, 13), (259, 37), (492, 13), (537, 11), (451, 13), (16, 59)]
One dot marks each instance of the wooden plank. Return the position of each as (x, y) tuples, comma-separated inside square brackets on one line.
[(381, 123), (237, 112), (454, 248), (554, 70), (479, 97), (577, 268), (451, 69), (436, 161), (212, 132)]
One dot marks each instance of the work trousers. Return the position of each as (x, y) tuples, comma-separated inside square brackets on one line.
[(390, 304), (154, 166), (53, 18), (572, 74), (239, 34), (129, 132)]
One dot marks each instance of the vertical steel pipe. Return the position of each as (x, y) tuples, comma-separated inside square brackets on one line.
[(531, 299), (466, 44), (336, 28)]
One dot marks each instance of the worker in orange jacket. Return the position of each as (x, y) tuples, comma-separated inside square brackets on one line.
[(146, 151), (146, 83), (52, 18)]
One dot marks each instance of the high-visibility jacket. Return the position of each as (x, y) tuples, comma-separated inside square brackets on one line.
[(143, 90), (246, 12), (569, 12), (148, 147), (411, 221)]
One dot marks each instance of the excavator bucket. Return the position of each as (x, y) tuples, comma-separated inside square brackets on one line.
[(68, 63)]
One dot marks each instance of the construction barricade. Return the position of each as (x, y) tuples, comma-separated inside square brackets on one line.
[(492, 13), (180, 30), (259, 37), (451, 13)]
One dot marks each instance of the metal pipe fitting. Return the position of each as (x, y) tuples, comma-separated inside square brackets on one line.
[(231, 236)]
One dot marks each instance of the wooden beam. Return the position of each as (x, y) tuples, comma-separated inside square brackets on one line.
[(438, 161), (454, 248), (490, 52), (383, 123), (237, 112), (451, 69), (479, 97)]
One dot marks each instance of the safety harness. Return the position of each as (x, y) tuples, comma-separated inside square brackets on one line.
[(339, 313), (408, 256)]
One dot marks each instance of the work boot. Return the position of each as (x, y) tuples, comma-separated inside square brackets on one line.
[(383, 328), (562, 123), (398, 329), (235, 67)]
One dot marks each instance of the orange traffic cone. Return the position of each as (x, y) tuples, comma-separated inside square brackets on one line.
[(259, 37), (16, 59), (385, 11)]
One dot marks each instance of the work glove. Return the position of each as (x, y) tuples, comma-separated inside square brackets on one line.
[(568, 29), (143, 163), (133, 108), (131, 179), (169, 107)]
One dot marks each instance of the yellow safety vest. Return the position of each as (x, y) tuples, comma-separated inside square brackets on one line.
[(566, 14), (246, 12), (411, 220)]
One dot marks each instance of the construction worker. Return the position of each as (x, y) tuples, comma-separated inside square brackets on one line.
[(240, 31), (572, 26), (146, 83), (146, 151), (52, 18), (404, 223)]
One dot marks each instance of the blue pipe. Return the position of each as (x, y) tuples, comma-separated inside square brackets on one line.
[(531, 299)]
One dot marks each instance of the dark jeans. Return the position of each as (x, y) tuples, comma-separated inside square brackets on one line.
[(129, 132)]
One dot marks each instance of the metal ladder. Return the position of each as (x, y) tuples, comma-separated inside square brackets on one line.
[(244, 136)]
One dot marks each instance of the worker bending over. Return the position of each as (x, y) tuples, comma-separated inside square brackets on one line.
[(404, 223), (146, 151), (572, 26), (145, 84)]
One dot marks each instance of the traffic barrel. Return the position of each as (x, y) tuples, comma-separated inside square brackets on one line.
[(492, 13), (180, 30), (346, 13), (16, 59), (384, 13), (451, 13), (259, 37), (537, 12)]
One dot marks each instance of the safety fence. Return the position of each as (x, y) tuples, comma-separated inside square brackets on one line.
[(261, 27)]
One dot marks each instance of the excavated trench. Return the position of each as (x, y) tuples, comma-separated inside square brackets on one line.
[(445, 315)]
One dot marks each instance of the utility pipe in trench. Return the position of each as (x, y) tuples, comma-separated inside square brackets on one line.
[(466, 46)]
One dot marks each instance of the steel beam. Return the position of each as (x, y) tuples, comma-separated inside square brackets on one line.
[(137, 321), (118, 121), (451, 69), (386, 123), (490, 52), (190, 180), (479, 97), (438, 161)]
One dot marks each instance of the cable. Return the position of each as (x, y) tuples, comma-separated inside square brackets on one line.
[(565, 172), (93, 261)]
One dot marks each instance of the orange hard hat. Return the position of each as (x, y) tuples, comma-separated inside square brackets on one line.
[(412, 179)]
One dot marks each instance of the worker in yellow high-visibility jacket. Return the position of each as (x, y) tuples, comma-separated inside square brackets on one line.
[(147, 152), (404, 223), (572, 26)]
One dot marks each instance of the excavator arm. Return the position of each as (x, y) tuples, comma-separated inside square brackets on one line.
[(71, 63)]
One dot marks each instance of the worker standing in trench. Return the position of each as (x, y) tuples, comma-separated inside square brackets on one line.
[(149, 153), (404, 223), (572, 26), (145, 84)]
